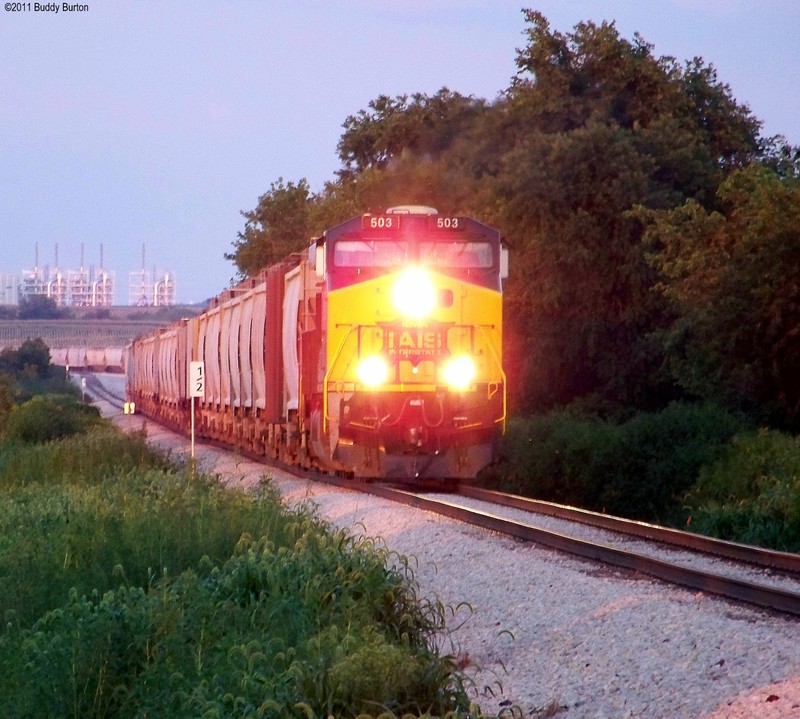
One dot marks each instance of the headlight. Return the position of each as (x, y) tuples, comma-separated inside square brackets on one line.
[(413, 293), (373, 371), (459, 372)]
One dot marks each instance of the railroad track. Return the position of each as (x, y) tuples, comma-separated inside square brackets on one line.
[(762, 577), (96, 388)]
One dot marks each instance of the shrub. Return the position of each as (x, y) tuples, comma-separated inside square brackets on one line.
[(130, 588), (638, 469), (7, 397), (557, 457), (186, 649), (34, 356), (751, 493), (659, 455), (83, 459), (47, 417)]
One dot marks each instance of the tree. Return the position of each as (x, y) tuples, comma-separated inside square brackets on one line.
[(592, 127), (39, 307), (593, 73), (581, 287), (425, 126), (32, 357), (277, 227), (7, 398), (402, 137), (732, 278), (781, 157)]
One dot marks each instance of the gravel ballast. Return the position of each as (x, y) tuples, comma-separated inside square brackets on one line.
[(555, 635)]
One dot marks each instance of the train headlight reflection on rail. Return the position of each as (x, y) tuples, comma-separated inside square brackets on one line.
[(459, 372), (413, 293), (373, 371)]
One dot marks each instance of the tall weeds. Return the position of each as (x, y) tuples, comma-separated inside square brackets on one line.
[(129, 589)]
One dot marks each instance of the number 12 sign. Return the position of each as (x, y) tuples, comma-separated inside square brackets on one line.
[(197, 379)]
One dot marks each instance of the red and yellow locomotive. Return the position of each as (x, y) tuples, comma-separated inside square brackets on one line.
[(378, 353)]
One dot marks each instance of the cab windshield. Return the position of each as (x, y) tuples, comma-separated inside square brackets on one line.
[(370, 253), (465, 254), (391, 253)]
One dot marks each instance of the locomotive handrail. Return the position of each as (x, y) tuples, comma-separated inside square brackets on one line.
[(327, 380), (496, 357)]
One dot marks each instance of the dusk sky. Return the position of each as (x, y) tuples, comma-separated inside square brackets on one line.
[(156, 123)]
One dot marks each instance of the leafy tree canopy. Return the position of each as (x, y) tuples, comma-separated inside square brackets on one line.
[(274, 228), (732, 278), (39, 307), (592, 127), (33, 357), (422, 125)]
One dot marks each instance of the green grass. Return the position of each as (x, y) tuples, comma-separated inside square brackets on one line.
[(130, 589)]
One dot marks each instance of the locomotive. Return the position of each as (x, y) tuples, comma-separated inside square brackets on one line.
[(376, 353)]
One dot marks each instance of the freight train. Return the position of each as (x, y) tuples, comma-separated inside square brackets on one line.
[(376, 353)]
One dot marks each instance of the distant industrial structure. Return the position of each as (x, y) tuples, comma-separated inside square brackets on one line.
[(151, 289), (87, 286), (83, 287)]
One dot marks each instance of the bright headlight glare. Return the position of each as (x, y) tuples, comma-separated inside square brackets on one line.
[(413, 293), (459, 372), (373, 371)]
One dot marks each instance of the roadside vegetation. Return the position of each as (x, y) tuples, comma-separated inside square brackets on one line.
[(131, 587), (652, 312), (691, 466)]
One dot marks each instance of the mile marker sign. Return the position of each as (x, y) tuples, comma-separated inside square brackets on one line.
[(197, 379), (197, 388)]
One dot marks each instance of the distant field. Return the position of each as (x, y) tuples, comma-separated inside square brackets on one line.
[(82, 329), (62, 334)]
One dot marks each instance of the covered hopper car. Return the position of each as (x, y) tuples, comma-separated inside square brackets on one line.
[(375, 354)]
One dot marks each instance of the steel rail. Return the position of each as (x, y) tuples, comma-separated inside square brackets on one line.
[(96, 386), (713, 583), (758, 556)]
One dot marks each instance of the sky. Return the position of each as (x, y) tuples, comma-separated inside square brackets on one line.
[(150, 125)]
